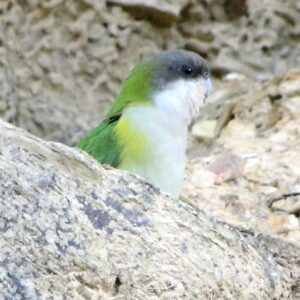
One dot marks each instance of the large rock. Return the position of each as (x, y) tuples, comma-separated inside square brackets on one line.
[(71, 229)]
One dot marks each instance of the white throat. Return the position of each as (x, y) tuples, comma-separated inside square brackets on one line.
[(182, 99)]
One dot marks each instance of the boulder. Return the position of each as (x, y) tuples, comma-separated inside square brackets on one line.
[(71, 229)]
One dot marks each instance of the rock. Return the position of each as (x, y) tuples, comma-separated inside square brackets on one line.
[(253, 161), (205, 130), (290, 86), (241, 136), (289, 203), (227, 166), (280, 224), (71, 229), (162, 13)]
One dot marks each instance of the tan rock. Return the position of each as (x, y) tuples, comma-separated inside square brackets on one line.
[(280, 224), (205, 130), (290, 86), (227, 166), (163, 13), (269, 148), (239, 129)]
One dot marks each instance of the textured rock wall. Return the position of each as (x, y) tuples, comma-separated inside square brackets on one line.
[(62, 61)]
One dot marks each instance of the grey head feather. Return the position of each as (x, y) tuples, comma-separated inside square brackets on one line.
[(177, 64)]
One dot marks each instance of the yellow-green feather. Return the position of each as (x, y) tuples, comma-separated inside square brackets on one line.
[(134, 144)]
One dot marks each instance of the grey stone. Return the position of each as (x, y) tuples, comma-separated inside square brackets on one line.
[(71, 229)]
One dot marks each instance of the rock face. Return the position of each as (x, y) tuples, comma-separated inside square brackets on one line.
[(254, 159), (62, 61), (71, 229)]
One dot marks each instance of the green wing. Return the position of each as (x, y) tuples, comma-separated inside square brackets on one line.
[(100, 143)]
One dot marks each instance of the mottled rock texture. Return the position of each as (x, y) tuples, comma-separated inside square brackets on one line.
[(71, 229), (62, 61), (249, 176), (254, 159)]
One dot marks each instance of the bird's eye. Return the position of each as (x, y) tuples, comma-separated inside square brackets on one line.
[(206, 74), (187, 70)]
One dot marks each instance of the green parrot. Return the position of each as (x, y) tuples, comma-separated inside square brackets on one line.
[(145, 129)]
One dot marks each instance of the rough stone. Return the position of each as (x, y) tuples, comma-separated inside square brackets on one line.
[(251, 177), (61, 64), (205, 130), (71, 229), (158, 12), (280, 224)]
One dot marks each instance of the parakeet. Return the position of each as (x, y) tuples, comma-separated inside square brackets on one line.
[(145, 129)]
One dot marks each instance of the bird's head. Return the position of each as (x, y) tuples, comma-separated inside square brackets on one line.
[(177, 82)]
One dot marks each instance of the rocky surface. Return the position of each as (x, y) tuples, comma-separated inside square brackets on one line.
[(251, 178), (61, 64), (247, 173), (162, 13), (72, 230), (62, 61)]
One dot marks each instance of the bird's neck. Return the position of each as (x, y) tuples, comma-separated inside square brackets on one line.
[(179, 101)]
